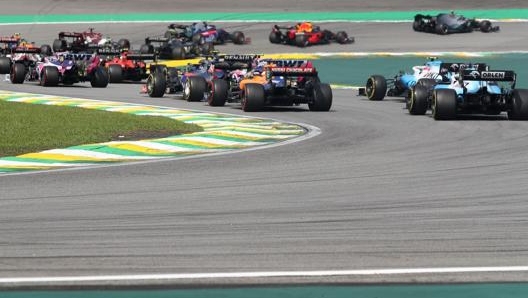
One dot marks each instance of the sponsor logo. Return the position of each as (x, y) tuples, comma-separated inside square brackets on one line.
[(293, 69), (493, 75), (241, 57), (77, 56), (474, 74), (289, 63)]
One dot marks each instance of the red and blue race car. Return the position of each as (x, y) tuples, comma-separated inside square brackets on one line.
[(305, 34)]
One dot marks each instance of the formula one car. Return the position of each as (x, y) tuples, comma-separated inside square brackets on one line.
[(305, 34), (377, 86), (204, 32), (124, 65), (9, 44), (176, 48), (446, 23), (472, 89), (85, 41), (281, 84), (69, 68), (21, 64)]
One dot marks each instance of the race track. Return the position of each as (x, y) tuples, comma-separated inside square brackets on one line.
[(378, 188)]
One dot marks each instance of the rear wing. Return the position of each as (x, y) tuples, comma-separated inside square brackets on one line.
[(489, 75), (10, 40), (293, 71), (26, 50), (457, 67), (70, 34), (149, 40), (130, 56)]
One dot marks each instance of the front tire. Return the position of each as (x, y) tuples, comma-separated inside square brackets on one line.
[(444, 104), (301, 40), (238, 37), (342, 37), (376, 87), (441, 29)]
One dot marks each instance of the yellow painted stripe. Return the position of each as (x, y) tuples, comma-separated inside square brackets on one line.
[(59, 157)]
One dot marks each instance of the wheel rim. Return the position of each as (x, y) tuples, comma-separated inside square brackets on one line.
[(433, 106), (370, 87), (150, 83), (187, 89)]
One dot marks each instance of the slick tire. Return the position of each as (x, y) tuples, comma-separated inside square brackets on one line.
[(49, 76), (253, 98), (5, 65), (18, 73), (376, 87), (444, 106), (99, 78), (322, 98), (275, 37), (238, 37), (218, 95), (115, 73), (417, 102), (519, 105), (195, 88), (156, 84)]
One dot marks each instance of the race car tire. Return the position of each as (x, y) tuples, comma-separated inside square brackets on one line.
[(49, 76), (417, 26), (253, 98), (519, 105), (178, 53), (485, 26), (301, 40), (46, 50), (417, 102), (275, 37), (218, 95), (238, 37), (99, 78), (115, 73), (195, 88), (123, 43), (444, 104), (156, 84), (441, 29), (146, 49), (18, 73), (5, 65), (197, 39), (342, 37), (322, 98), (376, 87), (59, 45)]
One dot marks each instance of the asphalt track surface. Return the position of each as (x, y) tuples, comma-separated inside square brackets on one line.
[(377, 188)]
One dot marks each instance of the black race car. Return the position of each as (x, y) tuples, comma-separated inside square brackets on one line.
[(176, 48), (446, 23)]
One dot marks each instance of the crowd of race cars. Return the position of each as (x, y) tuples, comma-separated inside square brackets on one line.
[(444, 88)]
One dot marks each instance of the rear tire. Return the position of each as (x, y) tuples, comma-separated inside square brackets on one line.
[(18, 74), (156, 84), (178, 53), (417, 102), (218, 96), (146, 49), (49, 76), (123, 44), (322, 100), (519, 105), (99, 78), (254, 97), (444, 104), (376, 87), (115, 73), (195, 88), (59, 45), (46, 50), (275, 37), (5, 65)]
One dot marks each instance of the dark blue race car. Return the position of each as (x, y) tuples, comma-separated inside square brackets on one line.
[(446, 23)]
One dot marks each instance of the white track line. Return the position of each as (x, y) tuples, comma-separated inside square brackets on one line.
[(265, 274)]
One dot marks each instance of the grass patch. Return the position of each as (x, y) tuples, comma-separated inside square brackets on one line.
[(27, 128)]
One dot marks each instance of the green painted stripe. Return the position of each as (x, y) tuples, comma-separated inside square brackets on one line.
[(344, 16)]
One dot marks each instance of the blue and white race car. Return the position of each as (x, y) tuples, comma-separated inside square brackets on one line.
[(377, 86), (471, 89)]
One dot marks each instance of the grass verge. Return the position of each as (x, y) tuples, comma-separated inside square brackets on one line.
[(27, 128)]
